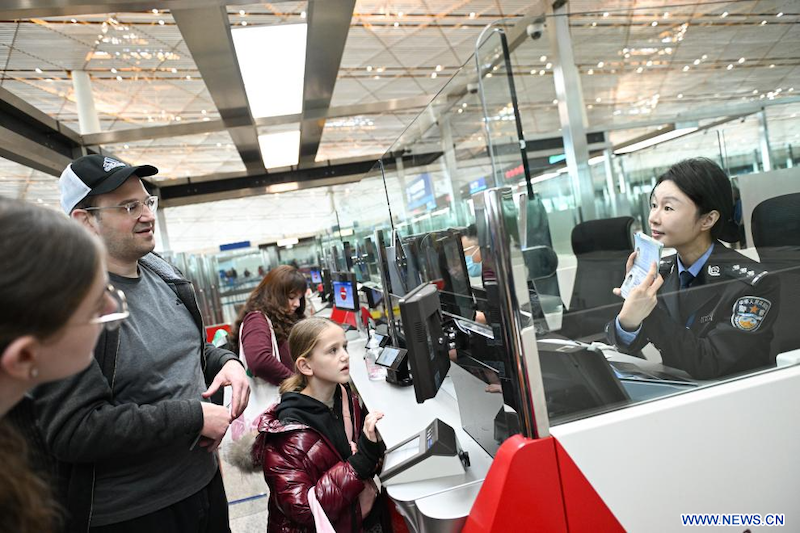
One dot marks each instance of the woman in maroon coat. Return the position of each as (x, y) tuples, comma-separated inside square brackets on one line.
[(303, 441), (265, 321)]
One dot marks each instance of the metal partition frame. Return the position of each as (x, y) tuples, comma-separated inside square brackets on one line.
[(519, 342)]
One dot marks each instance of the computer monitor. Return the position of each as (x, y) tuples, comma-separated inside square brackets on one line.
[(578, 380), (327, 288), (345, 295), (457, 298), (316, 277), (374, 297), (427, 347)]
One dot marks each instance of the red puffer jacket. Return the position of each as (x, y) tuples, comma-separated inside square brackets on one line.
[(296, 457)]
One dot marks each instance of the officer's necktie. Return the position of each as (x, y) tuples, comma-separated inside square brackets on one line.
[(686, 279)]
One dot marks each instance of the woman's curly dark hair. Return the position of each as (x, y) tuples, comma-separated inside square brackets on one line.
[(272, 298)]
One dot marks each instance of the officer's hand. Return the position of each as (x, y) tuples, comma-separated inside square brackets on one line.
[(641, 300), (629, 262), (232, 374)]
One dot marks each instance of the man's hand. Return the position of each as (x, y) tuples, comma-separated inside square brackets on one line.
[(232, 374), (215, 423)]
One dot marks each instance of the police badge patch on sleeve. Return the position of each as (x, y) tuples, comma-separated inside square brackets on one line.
[(749, 312)]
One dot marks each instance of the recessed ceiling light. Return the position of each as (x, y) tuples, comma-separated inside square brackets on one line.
[(541, 72), (155, 11), (772, 65), (472, 15), (280, 149), (649, 63), (396, 24), (273, 82), (779, 15), (188, 77), (654, 23), (376, 77), (598, 100), (113, 71), (161, 22), (433, 75), (74, 21), (489, 75), (204, 112), (590, 71), (543, 59), (763, 22), (38, 70), (555, 102), (600, 64), (696, 61), (548, 66), (724, 14), (729, 67), (686, 68), (594, 24), (640, 70), (680, 96), (303, 14), (605, 14), (119, 78), (741, 60), (242, 12), (174, 70), (369, 68), (244, 23)]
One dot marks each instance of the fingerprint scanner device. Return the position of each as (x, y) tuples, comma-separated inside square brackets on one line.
[(432, 453), (394, 359)]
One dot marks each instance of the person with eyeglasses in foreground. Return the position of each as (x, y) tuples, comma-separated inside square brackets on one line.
[(135, 429), (50, 319)]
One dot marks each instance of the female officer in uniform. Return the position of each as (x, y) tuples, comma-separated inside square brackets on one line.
[(709, 310)]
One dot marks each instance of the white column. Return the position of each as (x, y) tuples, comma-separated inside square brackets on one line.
[(763, 141), (162, 230), (571, 109), (87, 114)]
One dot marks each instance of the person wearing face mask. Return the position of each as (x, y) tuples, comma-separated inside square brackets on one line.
[(54, 302), (472, 255), (261, 334), (708, 309)]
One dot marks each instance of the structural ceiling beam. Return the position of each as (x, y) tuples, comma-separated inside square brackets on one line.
[(328, 25), (207, 34), (33, 139), (194, 128), (27, 9)]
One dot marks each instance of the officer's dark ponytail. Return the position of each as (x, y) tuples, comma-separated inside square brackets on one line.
[(707, 185)]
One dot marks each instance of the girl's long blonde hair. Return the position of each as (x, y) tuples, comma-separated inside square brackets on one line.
[(302, 341)]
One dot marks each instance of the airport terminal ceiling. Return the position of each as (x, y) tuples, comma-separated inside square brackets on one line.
[(643, 64)]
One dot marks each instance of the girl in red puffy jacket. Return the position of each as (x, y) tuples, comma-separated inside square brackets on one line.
[(306, 440)]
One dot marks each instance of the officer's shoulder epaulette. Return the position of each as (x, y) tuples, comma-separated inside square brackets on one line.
[(750, 273)]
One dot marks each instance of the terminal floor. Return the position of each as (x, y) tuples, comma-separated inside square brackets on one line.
[(247, 499)]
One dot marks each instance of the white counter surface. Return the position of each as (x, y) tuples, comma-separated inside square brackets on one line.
[(441, 498)]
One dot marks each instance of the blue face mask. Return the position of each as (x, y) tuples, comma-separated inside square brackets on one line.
[(473, 269)]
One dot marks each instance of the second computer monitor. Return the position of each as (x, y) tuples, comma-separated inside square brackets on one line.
[(427, 348), (316, 277), (345, 295)]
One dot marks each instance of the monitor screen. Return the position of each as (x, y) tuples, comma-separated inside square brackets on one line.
[(374, 297), (343, 295), (427, 349), (390, 356), (316, 277)]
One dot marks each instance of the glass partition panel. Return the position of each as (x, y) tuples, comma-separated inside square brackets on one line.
[(661, 88)]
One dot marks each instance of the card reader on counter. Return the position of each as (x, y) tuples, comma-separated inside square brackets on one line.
[(431, 453)]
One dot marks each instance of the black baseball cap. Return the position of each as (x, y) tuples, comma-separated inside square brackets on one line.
[(96, 174)]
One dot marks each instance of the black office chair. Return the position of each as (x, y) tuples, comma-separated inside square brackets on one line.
[(775, 225), (601, 247)]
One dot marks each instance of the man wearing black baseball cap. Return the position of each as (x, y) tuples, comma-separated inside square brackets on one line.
[(135, 427)]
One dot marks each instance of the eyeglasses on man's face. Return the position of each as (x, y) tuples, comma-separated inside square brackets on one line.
[(115, 309), (134, 209)]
